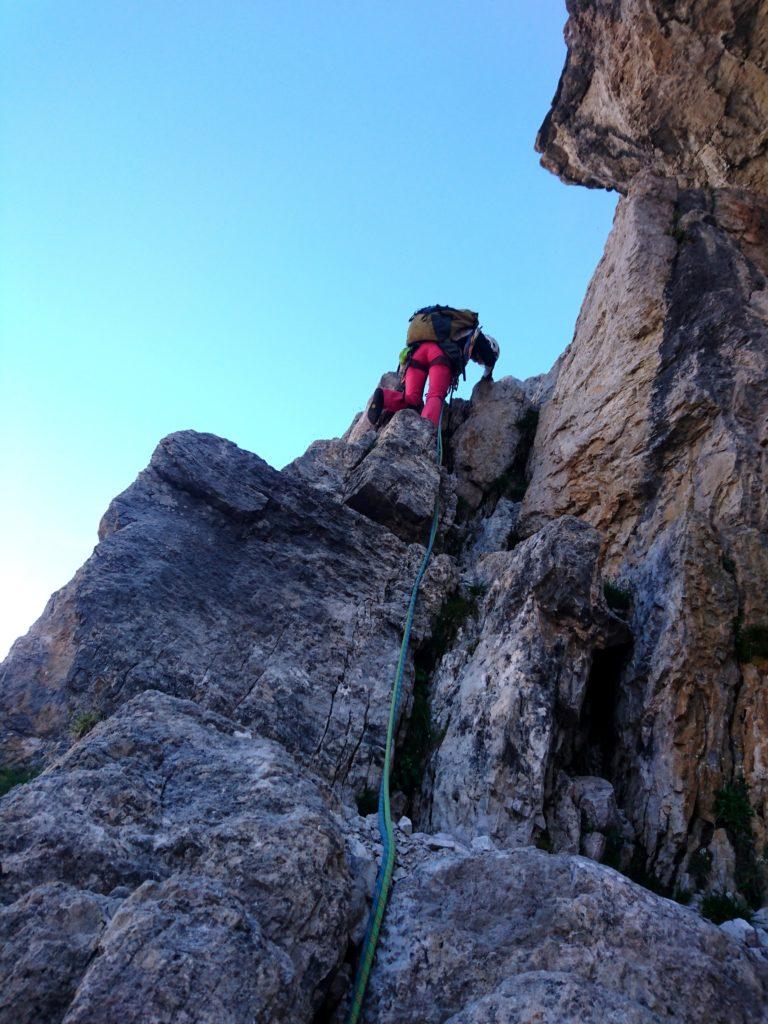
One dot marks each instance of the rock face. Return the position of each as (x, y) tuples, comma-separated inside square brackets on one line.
[(174, 842), (221, 581), (486, 444), (396, 482), (588, 671), (499, 699), (656, 434), (678, 88), (527, 936)]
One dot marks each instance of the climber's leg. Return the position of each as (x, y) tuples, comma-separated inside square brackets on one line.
[(415, 379), (439, 382), (416, 374)]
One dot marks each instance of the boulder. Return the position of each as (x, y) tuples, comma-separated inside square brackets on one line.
[(487, 936), (485, 446), (170, 849), (397, 481), (499, 698)]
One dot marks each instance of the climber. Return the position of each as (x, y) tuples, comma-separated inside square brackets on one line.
[(441, 341)]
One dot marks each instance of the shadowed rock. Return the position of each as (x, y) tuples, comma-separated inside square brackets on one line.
[(680, 89), (199, 835)]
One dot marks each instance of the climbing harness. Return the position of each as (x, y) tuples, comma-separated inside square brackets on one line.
[(384, 877)]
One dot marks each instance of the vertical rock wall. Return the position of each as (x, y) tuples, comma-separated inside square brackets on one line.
[(657, 431)]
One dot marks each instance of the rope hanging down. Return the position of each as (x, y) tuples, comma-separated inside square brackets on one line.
[(384, 877)]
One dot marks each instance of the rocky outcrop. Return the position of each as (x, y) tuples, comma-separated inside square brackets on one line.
[(174, 842), (508, 694), (396, 483), (656, 434), (677, 88), (202, 840), (222, 581), (486, 445), (474, 937), (209, 696)]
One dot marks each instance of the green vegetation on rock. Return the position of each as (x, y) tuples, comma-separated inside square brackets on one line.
[(83, 722), (10, 777), (719, 907)]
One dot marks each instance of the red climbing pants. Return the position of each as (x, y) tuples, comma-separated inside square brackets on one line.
[(428, 360)]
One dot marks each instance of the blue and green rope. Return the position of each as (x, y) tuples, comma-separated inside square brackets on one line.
[(384, 877)]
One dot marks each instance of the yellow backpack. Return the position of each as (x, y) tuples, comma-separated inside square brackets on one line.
[(440, 324)]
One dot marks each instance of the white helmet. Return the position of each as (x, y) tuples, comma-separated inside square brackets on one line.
[(493, 345)]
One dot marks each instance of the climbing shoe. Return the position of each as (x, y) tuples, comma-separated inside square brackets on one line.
[(376, 406)]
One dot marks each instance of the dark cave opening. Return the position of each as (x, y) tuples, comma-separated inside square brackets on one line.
[(595, 747)]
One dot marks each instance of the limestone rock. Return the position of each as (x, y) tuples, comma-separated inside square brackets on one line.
[(593, 845), (396, 483), (220, 580), (497, 704), (197, 855), (327, 464), (595, 799), (496, 532), (723, 869), (679, 88), (48, 938), (740, 930), (209, 834), (360, 428), (183, 936), (656, 433), (485, 445), (474, 936)]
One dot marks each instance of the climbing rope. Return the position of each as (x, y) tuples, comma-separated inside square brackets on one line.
[(386, 867)]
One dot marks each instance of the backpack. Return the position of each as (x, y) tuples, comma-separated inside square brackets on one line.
[(440, 324)]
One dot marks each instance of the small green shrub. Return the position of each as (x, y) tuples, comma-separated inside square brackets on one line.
[(411, 755), (729, 565), (682, 896), (10, 777), (734, 813), (699, 867), (617, 596), (455, 610), (719, 907), (509, 484), (751, 642), (368, 802), (679, 234), (528, 424), (83, 722)]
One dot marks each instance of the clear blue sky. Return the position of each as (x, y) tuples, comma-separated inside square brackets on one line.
[(221, 215)]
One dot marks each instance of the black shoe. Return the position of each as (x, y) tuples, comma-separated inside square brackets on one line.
[(376, 406)]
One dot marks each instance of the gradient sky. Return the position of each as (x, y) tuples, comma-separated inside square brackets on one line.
[(221, 215)]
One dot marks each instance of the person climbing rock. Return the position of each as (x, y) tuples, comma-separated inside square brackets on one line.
[(441, 341)]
